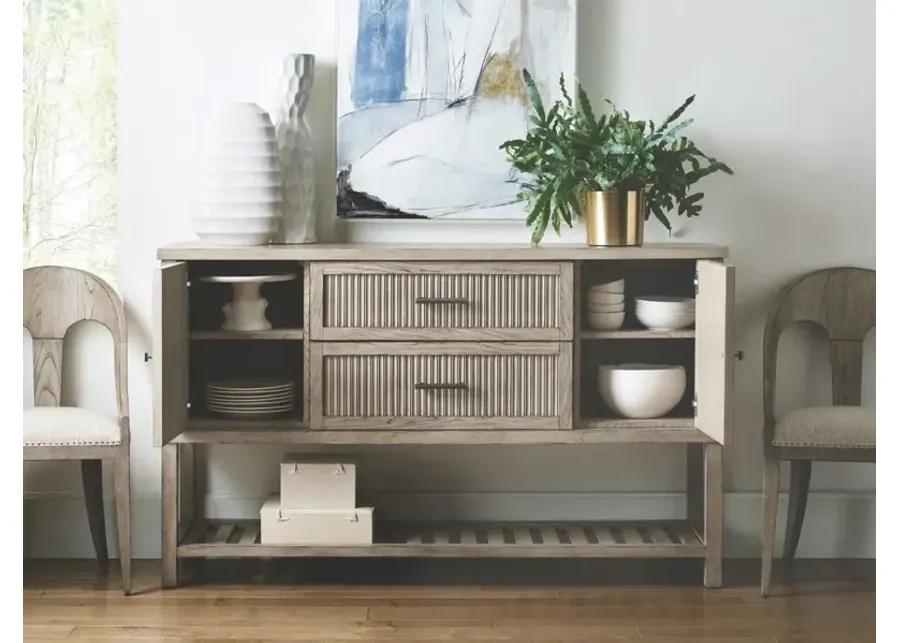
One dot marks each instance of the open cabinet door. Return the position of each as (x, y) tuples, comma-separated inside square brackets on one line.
[(170, 352), (714, 350)]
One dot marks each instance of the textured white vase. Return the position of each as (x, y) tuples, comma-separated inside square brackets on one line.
[(296, 151), (238, 188)]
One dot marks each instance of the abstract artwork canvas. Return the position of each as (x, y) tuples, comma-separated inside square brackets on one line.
[(427, 90)]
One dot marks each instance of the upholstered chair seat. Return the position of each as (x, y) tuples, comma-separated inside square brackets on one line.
[(846, 427), (70, 426)]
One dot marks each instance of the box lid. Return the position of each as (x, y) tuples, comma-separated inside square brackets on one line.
[(273, 504), (318, 458)]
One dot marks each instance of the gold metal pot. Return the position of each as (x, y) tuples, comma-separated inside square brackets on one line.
[(615, 218)]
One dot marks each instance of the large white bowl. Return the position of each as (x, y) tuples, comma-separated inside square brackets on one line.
[(665, 313), (606, 321), (641, 390)]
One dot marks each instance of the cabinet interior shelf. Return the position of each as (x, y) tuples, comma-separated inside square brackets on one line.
[(273, 334), (639, 333), (646, 538), (293, 431)]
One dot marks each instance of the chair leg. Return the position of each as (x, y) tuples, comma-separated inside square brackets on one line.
[(770, 514), (800, 473), (123, 517), (92, 481)]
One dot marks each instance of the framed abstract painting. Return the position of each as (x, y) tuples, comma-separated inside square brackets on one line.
[(427, 90)]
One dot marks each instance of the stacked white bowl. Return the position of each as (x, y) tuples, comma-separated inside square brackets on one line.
[(605, 305), (238, 194), (665, 313)]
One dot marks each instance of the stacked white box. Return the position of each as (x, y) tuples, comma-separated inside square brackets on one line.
[(279, 526), (318, 482), (317, 505)]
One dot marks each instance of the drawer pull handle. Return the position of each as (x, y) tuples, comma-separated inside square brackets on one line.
[(439, 386), (442, 300)]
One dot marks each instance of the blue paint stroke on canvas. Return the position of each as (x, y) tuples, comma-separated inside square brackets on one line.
[(380, 71), (427, 92)]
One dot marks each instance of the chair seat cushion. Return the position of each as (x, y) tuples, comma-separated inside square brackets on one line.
[(827, 426), (70, 426)]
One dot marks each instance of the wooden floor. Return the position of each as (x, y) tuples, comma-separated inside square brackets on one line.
[(420, 600)]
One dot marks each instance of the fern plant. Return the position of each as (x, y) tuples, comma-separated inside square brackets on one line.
[(568, 150)]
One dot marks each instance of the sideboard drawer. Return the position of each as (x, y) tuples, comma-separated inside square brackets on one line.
[(430, 385), (529, 301)]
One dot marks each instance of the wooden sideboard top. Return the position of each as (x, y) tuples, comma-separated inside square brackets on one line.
[(437, 252)]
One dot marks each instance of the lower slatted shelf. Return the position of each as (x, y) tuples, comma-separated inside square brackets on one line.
[(648, 538)]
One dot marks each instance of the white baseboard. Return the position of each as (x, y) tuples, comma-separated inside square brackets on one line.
[(837, 525)]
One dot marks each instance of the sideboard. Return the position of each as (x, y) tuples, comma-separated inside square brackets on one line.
[(443, 344)]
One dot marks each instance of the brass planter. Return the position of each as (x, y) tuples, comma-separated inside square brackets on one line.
[(615, 218)]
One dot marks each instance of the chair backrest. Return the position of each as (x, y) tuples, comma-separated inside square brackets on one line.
[(842, 302), (55, 298)]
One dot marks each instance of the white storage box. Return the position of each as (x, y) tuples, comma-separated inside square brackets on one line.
[(318, 482), (279, 526)]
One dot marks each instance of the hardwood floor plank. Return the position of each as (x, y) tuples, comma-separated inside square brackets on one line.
[(332, 600)]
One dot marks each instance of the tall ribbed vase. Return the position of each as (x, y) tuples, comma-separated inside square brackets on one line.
[(295, 151)]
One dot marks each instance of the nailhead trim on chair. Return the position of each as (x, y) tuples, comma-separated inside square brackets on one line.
[(72, 444), (823, 444)]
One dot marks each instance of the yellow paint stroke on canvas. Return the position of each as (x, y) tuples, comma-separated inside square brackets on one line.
[(502, 78)]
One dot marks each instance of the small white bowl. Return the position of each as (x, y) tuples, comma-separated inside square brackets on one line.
[(605, 297), (641, 390), (616, 286), (606, 320), (605, 308), (665, 313)]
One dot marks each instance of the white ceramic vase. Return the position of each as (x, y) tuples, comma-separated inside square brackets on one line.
[(238, 187), (295, 149)]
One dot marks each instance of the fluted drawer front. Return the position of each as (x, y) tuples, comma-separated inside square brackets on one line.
[(453, 385), (428, 300)]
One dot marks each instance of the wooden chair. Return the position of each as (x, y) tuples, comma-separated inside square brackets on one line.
[(842, 302), (54, 299)]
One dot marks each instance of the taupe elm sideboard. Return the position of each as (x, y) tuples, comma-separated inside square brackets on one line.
[(443, 344)]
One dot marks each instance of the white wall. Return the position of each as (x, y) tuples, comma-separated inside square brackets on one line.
[(787, 103)]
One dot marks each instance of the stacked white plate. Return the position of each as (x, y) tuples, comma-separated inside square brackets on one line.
[(665, 313), (251, 398), (605, 305), (238, 190)]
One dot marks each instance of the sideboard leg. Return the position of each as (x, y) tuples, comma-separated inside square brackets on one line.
[(713, 515), (170, 515), (696, 494)]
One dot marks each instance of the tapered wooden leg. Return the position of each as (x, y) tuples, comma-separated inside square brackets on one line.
[(92, 481), (170, 515), (696, 501), (713, 516), (122, 483), (800, 474), (771, 474)]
